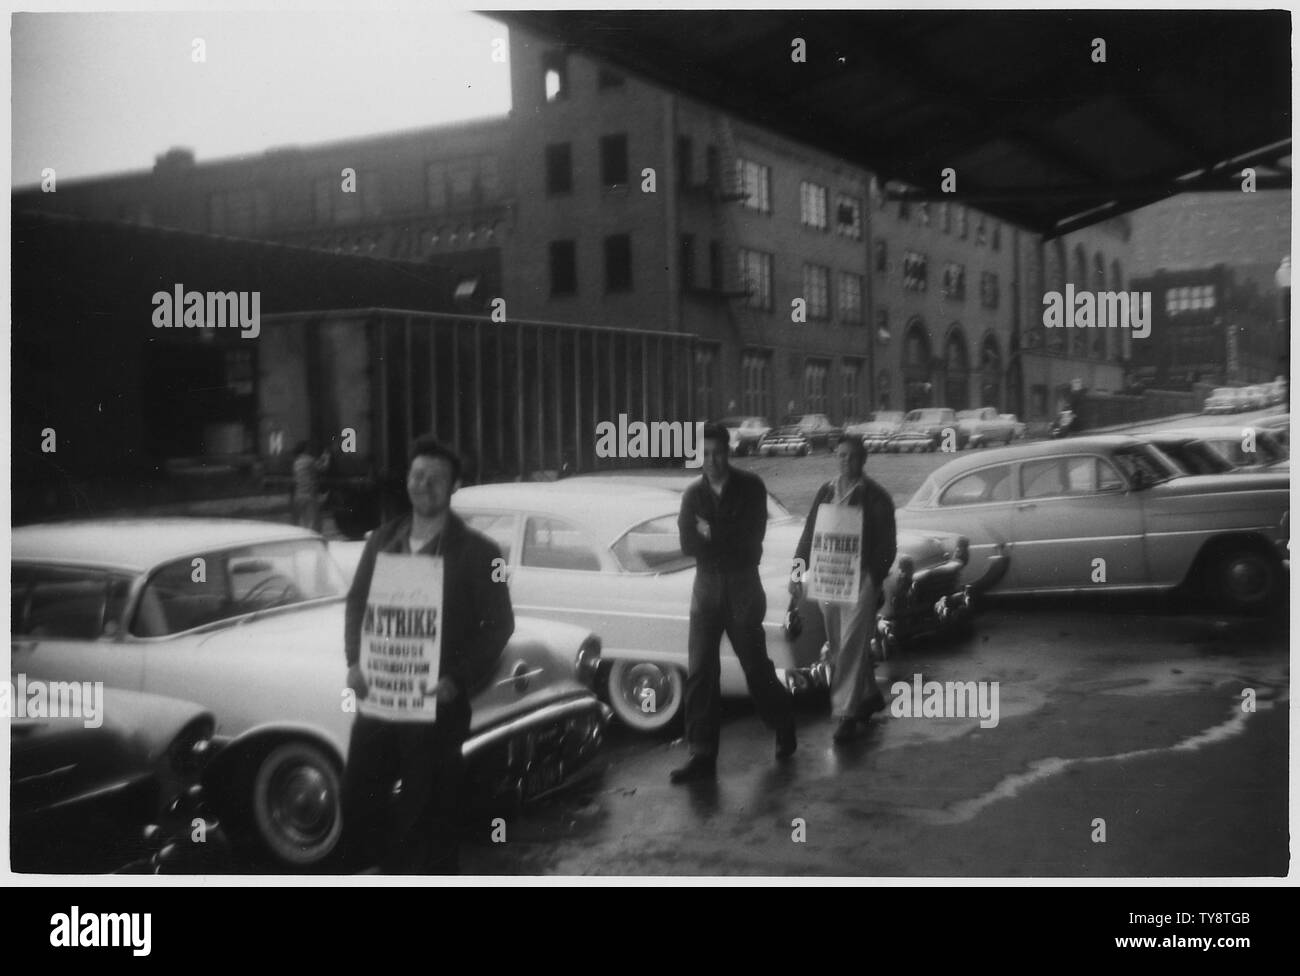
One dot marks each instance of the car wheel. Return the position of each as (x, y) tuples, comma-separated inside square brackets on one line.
[(1243, 579), (646, 696), (296, 804)]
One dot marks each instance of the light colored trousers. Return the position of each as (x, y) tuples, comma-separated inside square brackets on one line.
[(849, 629)]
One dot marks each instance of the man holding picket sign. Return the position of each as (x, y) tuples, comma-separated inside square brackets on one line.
[(847, 547), (428, 616)]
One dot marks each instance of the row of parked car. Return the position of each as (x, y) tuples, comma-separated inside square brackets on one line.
[(229, 701), (925, 429), (1235, 399)]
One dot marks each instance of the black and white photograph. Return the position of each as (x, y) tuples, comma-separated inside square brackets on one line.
[(766, 445)]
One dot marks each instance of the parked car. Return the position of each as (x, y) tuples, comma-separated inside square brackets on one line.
[(1018, 426), (746, 432), (611, 560), (1224, 399), (985, 426), (1234, 442), (1040, 517), (82, 794), (817, 427), (926, 429), (247, 618), (877, 429), (786, 439)]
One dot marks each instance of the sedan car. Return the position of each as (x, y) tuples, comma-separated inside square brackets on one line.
[(817, 427), (1224, 399), (82, 794), (604, 552), (927, 429), (985, 426), (745, 432), (1110, 513), (877, 429), (247, 619), (786, 439)]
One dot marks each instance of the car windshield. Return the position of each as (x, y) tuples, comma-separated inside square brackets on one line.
[(653, 546), (211, 587), (1145, 465)]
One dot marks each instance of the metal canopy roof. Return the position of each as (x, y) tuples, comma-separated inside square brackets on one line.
[(1037, 132)]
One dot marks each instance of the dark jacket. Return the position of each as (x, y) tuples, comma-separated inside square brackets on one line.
[(737, 522), (879, 536), (477, 617)]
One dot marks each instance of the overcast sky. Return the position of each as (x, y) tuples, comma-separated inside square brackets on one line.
[(106, 93)]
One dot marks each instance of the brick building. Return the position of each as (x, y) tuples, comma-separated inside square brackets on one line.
[(552, 208)]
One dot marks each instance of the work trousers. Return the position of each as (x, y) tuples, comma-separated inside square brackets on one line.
[(418, 831), (732, 603), (849, 629)]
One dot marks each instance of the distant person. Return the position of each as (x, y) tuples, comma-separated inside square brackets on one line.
[(851, 625), (722, 523), (309, 463)]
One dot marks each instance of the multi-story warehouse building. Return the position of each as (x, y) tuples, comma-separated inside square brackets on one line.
[(605, 200)]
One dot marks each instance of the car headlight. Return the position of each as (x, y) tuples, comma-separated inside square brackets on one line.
[(587, 663)]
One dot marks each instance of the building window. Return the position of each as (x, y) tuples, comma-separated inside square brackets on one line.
[(238, 212), (817, 291), (812, 205), (706, 358), (882, 256), (687, 252), (613, 160), (756, 383), (564, 268), (608, 78), (685, 162), (754, 181), (923, 213), (883, 333), (954, 281), (487, 180), (555, 75), (460, 182), (915, 271), (851, 390), (333, 205), (1196, 298), (981, 232), (815, 373), (989, 290), (848, 217), (997, 236), (618, 263), (435, 186), (850, 298), (715, 266), (559, 168), (945, 218), (904, 210), (239, 372), (961, 222), (756, 275)]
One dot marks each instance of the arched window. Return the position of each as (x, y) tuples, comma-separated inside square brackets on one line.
[(956, 366)]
